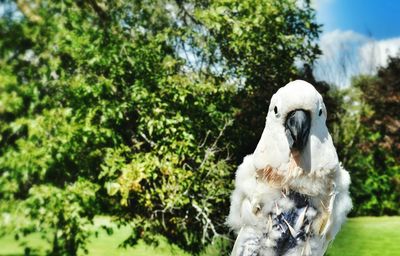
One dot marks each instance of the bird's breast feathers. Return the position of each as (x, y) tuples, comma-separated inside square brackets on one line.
[(290, 214)]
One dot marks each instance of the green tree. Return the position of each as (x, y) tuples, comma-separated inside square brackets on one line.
[(259, 42), (368, 141), (127, 108)]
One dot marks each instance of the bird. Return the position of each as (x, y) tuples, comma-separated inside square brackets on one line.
[(291, 194)]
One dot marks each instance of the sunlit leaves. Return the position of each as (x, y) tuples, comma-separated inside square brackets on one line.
[(123, 108)]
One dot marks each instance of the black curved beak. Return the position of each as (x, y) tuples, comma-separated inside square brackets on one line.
[(297, 128)]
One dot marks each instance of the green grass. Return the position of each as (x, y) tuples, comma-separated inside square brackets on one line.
[(366, 236)]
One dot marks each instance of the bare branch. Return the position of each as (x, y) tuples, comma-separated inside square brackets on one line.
[(152, 143), (207, 224), (213, 148)]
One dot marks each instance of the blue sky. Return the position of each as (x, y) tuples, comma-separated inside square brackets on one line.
[(360, 34), (380, 19)]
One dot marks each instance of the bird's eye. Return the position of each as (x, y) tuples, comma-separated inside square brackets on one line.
[(275, 110), (320, 112)]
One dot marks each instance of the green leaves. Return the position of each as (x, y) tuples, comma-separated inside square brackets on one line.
[(260, 39), (366, 127), (69, 211), (127, 108)]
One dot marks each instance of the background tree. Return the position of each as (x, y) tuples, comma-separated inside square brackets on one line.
[(259, 42), (368, 142), (98, 116), (132, 109)]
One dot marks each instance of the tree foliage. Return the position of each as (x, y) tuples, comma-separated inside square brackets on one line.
[(259, 43), (368, 141), (130, 108)]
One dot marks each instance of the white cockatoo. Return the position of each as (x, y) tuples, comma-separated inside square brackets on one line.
[(291, 195)]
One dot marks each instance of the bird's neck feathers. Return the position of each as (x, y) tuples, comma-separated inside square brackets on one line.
[(291, 176)]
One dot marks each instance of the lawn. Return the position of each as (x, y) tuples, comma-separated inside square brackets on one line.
[(366, 236)]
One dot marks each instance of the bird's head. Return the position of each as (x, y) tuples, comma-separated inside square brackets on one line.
[(295, 126)]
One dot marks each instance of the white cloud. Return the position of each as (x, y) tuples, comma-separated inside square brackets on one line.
[(347, 53), (376, 54)]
